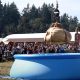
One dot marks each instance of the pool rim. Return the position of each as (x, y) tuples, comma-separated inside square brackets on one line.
[(48, 56)]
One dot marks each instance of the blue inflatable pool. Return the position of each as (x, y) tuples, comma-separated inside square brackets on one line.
[(46, 66)]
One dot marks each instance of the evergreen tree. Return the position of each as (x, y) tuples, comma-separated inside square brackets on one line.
[(11, 18), (65, 21), (73, 23), (33, 13), (1, 16), (45, 13)]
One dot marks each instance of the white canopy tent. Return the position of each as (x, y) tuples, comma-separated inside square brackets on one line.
[(33, 37)]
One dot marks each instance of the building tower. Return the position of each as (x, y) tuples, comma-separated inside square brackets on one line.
[(56, 33), (56, 13)]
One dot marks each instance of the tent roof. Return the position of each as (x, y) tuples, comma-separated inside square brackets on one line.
[(32, 37)]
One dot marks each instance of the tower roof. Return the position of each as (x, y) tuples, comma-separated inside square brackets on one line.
[(56, 13), (56, 4)]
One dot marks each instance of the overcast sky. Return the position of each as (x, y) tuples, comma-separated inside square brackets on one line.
[(72, 7)]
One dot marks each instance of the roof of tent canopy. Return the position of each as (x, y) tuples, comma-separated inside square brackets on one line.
[(32, 37)]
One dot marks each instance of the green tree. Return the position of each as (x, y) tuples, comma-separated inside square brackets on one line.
[(11, 18), (33, 12), (73, 23), (14, 14), (1, 16), (45, 13), (65, 21)]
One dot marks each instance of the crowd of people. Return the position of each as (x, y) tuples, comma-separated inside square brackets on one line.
[(8, 50)]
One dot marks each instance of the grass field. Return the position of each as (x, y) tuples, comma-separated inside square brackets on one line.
[(5, 69)]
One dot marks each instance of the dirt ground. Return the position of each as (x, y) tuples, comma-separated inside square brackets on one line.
[(5, 69)]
